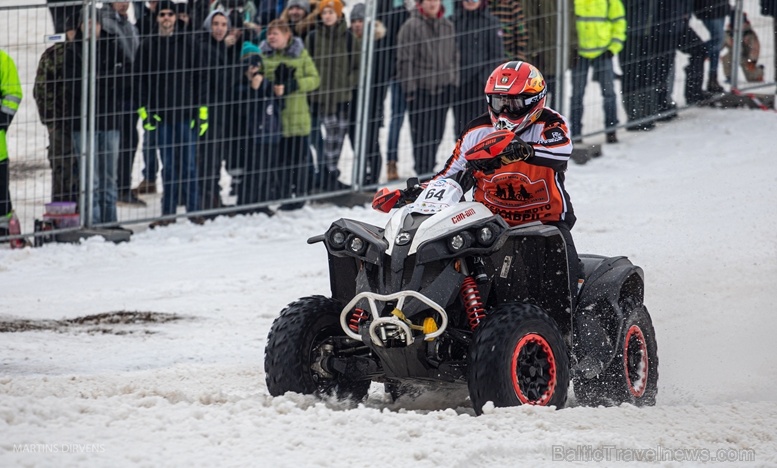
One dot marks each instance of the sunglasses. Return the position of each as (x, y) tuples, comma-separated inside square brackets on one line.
[(165, 13)]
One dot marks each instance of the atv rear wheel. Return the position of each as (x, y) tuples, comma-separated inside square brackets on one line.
[(518, 356), (632, 376), (300, 342)]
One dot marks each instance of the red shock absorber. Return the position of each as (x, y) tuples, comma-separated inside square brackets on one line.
[(357, 317), (473, 304)]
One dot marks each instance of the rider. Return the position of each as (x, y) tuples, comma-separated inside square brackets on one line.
[(525, 182)]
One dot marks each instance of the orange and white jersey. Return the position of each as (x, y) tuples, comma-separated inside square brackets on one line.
[(523, 191)]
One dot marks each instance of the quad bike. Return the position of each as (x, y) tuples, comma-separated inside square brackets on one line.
[(447, 294)]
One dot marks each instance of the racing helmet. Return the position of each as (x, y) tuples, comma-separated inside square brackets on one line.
[(515, 92)]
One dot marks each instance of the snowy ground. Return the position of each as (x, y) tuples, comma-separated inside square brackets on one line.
[(692, 202)]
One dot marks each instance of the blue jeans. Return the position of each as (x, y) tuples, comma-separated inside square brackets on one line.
[(176, 142), (398, 108), (715, 26), (603, 73), (106, 162)]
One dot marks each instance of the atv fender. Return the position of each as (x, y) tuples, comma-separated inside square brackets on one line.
[(599, 319)]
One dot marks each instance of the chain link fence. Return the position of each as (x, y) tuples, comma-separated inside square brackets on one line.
[(131, 116)]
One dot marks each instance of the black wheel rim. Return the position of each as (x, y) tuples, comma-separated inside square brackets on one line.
[(635, 361), (533, 370)]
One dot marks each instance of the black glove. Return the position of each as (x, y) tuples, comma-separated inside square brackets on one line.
[(609, 54), (290, 86), (282, 73), (516, 150)]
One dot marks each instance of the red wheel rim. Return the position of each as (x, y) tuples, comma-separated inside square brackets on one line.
[(635, 361), (533, 368)]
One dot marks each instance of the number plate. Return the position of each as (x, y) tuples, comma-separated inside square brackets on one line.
[(438, 195)]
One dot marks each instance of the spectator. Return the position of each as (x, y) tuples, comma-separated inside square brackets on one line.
[(111, 86), (713, 14), (428, 68), (172, 92), (543, 40), (116, 24), (185, 23), (479, 39), (60, 13), (54, 111), (223, 69), (299, 18), (675, 33), (294, 76), (10, 98), (515, 37), (258, 131), (376, 95), (393, 15), (601, 31), (749, 51), (331, 47), (245, 9), (637, 60)]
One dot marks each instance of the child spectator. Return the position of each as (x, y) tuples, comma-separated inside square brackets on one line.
[(258, 132)]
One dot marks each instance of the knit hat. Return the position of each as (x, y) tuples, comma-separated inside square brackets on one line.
[(336, 5), (304, 4), (250, 54), (358, 12), (163, 5)]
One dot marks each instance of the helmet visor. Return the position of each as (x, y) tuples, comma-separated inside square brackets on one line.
[(511, 104)]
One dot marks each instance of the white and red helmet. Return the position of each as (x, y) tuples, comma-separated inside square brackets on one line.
[(515, 92)]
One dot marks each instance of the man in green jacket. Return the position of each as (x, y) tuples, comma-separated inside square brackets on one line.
[(601, 32), (10, 97)]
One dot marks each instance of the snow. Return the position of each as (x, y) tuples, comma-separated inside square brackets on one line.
[(692, 202)]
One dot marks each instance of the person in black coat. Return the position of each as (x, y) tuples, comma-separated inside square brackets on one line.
[(111, 86), (257, 133), (479, 39), (638, 82), (172, 94)]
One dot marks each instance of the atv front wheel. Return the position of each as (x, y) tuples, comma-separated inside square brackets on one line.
[(517, 357), (632, 376), (301, 341)]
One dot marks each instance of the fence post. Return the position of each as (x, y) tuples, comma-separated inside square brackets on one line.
[(736, 47), (363, 96)]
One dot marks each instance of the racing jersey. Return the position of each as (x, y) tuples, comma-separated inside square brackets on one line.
[(522, 191)]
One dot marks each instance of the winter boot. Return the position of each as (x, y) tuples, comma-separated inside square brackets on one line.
[(612, 137), (391, 171), (713, 86)]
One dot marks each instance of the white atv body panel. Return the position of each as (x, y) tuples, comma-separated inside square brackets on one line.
[(448, 215)]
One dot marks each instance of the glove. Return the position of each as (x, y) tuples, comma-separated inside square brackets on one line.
[(497, 149), (201, 121), (150, 121), (282, 73), (386, 199)]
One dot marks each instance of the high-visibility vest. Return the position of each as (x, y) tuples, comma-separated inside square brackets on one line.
[(10, 95), (601, 26)]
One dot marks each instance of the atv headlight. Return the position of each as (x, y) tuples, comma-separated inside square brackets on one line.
[(486, 235), (357, 245), (337, 239), (459, 241)]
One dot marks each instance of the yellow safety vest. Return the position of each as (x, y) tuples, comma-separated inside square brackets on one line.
[(10, 95), (601, 26)]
